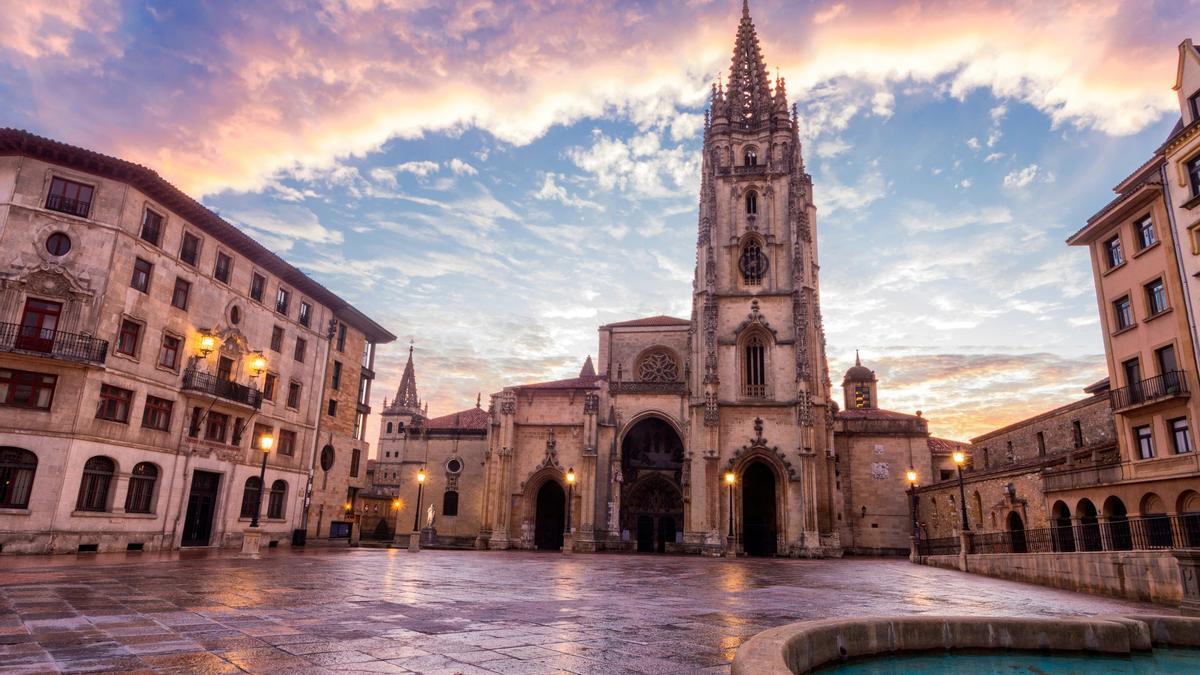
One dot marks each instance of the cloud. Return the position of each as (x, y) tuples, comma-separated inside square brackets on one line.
[(1023, 177), (283, 226), (832, 148), (552, 191), (461, 168), (973, 143), (639, 165), (833, 195), (830, 13)]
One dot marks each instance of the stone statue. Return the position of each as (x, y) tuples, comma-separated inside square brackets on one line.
[(430, 516)]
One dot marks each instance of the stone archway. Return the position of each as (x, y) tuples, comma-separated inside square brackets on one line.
[(550, 516), (1016, 533), (651, 516), (760, 535)]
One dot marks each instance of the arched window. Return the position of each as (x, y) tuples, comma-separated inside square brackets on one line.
[(93, 489), (17, 468), (755, 368), (275, 501), (389, 427), (141, 488), (450, 503), (250, 496), (751, 157), (753, 263), (751, 203)]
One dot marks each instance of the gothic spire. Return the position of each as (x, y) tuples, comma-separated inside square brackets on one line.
[(406, 395), (749, 92)]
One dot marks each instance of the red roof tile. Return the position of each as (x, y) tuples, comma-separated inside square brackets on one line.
[(473, 419), (660, 320), (874, 414), (585, 382), (944, 446)]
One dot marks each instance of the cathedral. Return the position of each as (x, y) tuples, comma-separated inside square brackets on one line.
[(716, 434)]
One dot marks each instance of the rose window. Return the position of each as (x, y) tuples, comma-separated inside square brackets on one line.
[(658, 367)]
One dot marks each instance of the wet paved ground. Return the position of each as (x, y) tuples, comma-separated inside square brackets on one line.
[(457, 612)]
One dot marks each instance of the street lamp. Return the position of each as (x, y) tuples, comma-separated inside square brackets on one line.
[(913, 504), (414, 541), (570, 495), (397, 504), (730, 479), (264, 444), (960, 459)]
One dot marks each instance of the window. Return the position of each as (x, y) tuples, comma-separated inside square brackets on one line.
[(17, 468), (39, 324), (755, 372), (450, 503), (335, 381), (751, 203), (750, 157), (276, 339), (1145, 441), (142, 270), (1156, 297), (287, 442), (1112, 252), (129, 337), (189, 252), (225, 368), (305, 316), (332, 408), (157, 413), (269, 386), (1193, 171), (1123, 311), (293, 398), (141, 488), (368, 354), (258, 286), (1167, 364), (215, 427), (389, 427), (58, 244), (301, 347), (168, 353), (93, 489), (341, 338), (21, 389), (364, 389), (275, 500), (152, 226), (1194, 105), (1181, 442), (114, 403), (1145, 233), (355, 460), (1077, 433), (360, 426), (1041, 442), (223, 267), (67, 196), (179, 296), (282, 298), (752, 264), (250, 497)]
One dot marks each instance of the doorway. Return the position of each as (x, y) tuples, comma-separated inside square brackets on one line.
[(202, 501), (39, 324), (666, 533), (645, 534), (1016, 533), (758, 510), (550, 517)]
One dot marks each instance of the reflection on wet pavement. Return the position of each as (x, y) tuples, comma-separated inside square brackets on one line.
[(457, 612)]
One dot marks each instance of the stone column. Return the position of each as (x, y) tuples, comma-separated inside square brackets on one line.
[(1189, 580)]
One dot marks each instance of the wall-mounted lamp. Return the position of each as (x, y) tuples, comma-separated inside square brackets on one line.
[(207, 344), (258, 363)]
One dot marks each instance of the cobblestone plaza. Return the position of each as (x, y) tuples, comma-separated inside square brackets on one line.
[(458, 612)]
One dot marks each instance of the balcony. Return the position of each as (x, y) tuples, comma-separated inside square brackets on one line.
[(74, 207), (52, 344), (229, 390), (1171, 384)]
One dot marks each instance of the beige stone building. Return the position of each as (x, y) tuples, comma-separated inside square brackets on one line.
[(146, 345)]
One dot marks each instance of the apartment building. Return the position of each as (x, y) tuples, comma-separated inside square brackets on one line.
[(147, 347)]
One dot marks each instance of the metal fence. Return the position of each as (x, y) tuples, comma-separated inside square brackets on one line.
[(1147, 533)]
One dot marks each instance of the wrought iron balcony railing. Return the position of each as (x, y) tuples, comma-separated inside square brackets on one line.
[(74, 207), (1170, 384), (194, 380), (52, 343)]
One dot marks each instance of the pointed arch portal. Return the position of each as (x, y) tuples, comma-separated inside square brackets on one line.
[(651, 488), (759, 535), (550, 517)]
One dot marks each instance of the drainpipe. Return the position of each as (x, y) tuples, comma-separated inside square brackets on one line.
[(1183, 275)]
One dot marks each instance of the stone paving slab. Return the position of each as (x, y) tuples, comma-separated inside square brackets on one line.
[(458, 612)]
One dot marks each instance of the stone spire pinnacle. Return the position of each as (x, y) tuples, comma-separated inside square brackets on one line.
[(749, 91), (406, 395), (857, 361), (588, 370)]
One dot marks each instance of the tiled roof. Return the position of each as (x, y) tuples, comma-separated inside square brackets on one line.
[(660, 320), (874, 414), (473, 419), (585, 382), (945, 446)]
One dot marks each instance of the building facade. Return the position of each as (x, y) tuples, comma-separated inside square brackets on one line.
[(146, 346)]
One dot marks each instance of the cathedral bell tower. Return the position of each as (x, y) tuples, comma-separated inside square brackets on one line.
[(758, 367)]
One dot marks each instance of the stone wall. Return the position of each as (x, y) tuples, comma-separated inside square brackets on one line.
[(991, 496), (1147, 576), (1018, 442)]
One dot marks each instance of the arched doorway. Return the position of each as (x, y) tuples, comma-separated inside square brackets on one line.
[(1064, 534), (1188, 508), (651, 494), (550, 517), (1089, 526), (1117, 518), (1016, 533), (1156, 524), (759, 535)]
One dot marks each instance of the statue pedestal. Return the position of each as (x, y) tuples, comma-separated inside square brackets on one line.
[(428, 536), (251, 540), (414, 542)]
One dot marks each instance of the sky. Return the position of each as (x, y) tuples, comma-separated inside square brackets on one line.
[(493, 179)]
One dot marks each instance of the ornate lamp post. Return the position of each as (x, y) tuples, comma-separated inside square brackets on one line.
[(730, 479), (414, 540), (568, 538), (252, 536), (913, 509), (397, 504), (960, 459)]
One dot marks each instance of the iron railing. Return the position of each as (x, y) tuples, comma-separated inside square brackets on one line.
[(1168, 385), (1146, 533), (52, 343), (194, 380), (75, 207)]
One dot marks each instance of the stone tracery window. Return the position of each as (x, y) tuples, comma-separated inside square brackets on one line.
[(754, 370), (751, 203), (751, 157), (753, 263), (658, 366)]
